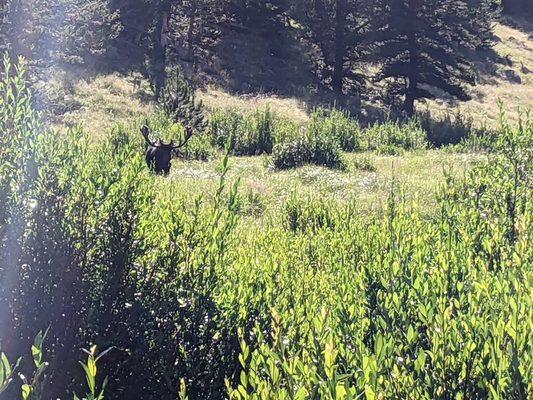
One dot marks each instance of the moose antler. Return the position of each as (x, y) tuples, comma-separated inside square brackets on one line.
[(146, 132), (188, 134)]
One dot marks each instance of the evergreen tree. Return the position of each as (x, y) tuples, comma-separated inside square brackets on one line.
[(479, 19), (419, 48), (4, 44), (518, 7), (338, 28), (50, 31), (194, 30), (88, 28), (177, 101), (258, 16)]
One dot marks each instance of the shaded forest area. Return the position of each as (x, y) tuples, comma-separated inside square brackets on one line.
[(395, 52)]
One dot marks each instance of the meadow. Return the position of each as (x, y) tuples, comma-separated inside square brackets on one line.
[(280, 259)]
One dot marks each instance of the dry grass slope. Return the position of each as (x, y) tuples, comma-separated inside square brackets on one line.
[(106, 100), (512, 83)]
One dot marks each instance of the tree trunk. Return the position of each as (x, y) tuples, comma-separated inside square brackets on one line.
[(190, 32), (159, 54), (410, 94), (340, 48)]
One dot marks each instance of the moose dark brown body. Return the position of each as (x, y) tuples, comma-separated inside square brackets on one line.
[(158, 155)]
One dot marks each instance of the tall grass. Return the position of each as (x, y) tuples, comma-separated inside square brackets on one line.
[(248, 134)]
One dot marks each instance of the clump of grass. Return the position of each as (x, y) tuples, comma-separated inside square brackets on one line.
[(365, 164), (310, 147), (394, 134)]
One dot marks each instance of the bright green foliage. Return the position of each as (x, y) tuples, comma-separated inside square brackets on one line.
[(311, 215), (316, 302), (407, 136), (91, 371), (309, 147), (248, 134), (398, 305), (6, 372), (338, 125), (33, 389), (364, 163)]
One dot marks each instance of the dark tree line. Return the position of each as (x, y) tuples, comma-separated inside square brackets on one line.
[(417, 43)]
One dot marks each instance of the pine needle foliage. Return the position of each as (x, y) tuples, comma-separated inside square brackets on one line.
[(178, 101)]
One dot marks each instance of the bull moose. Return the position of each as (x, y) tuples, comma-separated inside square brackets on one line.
[(158, 155)]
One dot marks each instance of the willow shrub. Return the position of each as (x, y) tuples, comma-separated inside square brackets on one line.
[(91, 248), (387, 136), (318, 302), (396, 306), (336, 124), (248, 134)]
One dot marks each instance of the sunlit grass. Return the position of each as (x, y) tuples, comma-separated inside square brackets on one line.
[(415, 173)]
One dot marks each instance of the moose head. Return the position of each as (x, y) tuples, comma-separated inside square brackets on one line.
[(158, 155)]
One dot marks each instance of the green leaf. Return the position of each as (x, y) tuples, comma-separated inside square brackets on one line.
[(411, 335), (26, 391), (369, 393)]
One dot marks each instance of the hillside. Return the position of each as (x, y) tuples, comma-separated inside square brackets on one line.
[(507, 75), (103, 100)]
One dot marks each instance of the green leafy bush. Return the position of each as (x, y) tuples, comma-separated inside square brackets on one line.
[(316, 302), (248, 134), (308, 149), (307, 214), (400, 295), (364, 163), (338, 125), (406, 136)]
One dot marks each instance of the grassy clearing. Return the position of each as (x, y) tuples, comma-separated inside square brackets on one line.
[(218, 99), (101, 102), (263, 191)]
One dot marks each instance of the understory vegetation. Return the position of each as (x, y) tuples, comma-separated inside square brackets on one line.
[(188, 299), (328, 133)]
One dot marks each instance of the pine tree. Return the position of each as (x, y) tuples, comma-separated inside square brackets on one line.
[(419, 46), (87, 29), (258, 16), (4, 43), (50, 31), (518, 7), (479, 19), (177, 101), (338, 28)]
